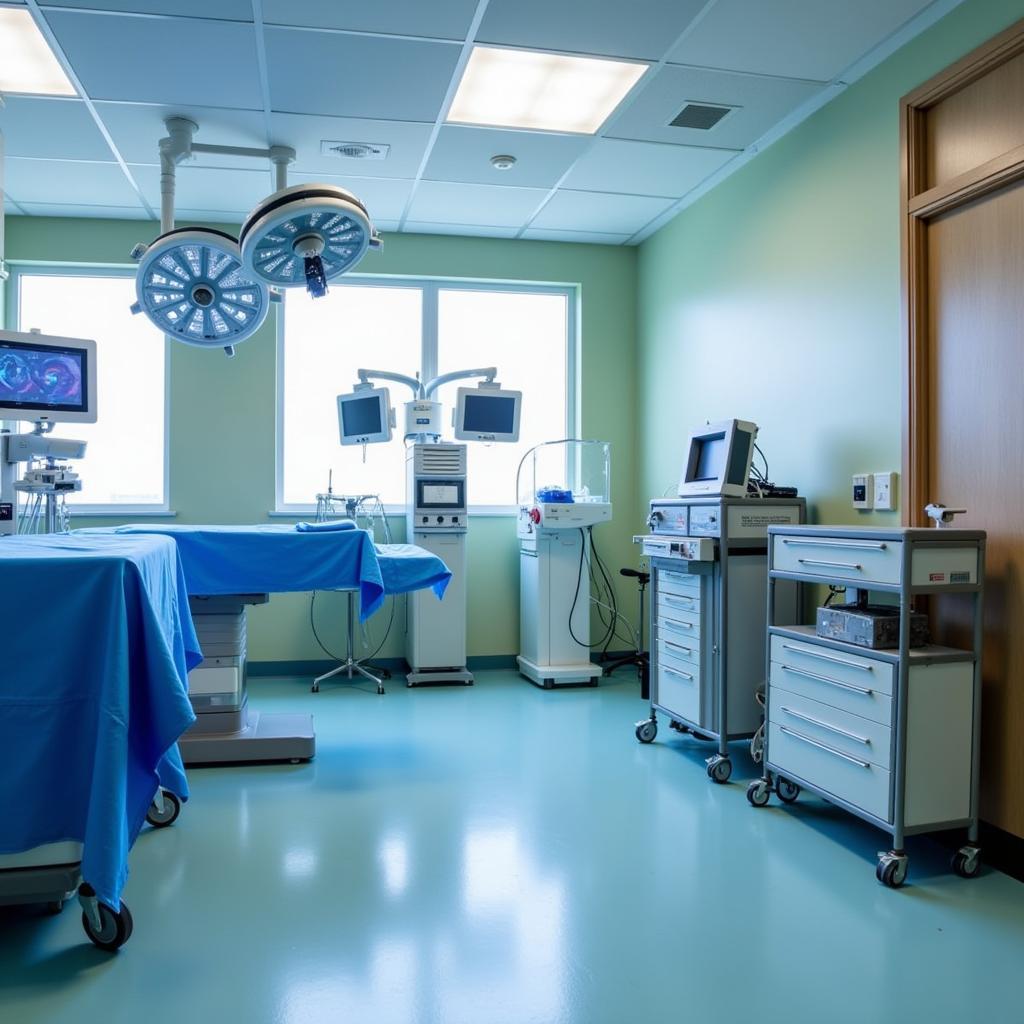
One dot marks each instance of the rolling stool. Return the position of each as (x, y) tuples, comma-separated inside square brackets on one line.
[(639, 657)]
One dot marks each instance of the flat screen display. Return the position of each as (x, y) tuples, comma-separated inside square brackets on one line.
[(43, 377), (489, 414), (710, 458), (440, 494), (361, 417)]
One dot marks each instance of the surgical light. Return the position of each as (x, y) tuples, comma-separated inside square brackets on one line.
[(306, 235), (190, 283), (555, 92), (27, 64)]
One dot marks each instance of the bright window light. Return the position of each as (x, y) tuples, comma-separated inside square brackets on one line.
[(27, 64), (544, 91)]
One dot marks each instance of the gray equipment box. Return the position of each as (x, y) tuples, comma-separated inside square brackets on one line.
[(873, 626)]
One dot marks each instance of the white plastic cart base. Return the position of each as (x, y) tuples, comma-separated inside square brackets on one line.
[(547, 677)]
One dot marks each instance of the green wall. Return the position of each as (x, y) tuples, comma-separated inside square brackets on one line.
[(222, 415), (776, 297)]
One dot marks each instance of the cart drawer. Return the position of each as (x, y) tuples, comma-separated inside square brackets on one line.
[(832, 668), (863, 701), (676, 605), (861, 561), (677, 690), (795, 753), (859, 737), (679, 649), (683, 583), (679, 630)]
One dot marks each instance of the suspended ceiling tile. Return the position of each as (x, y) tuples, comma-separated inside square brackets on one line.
[(229, 10), (208, 188), (796, 38), (758, 104), (137, 128), (477, 230), (232, 219), (161, 60), (82, 210), (445, 202), (641, 29), (45, 127), (464, 154), (347, 76), (70, 182), (304, 133), (436, 19), (601, 212), (384, 198), (644, 168), (590, 237)]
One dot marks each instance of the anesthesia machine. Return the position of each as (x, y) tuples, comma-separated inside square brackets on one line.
[(437, 506), (45, 380), (708, 555), (564, 491)]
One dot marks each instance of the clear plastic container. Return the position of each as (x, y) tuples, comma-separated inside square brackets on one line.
[(567, 471)]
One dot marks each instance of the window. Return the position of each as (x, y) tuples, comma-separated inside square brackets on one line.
[(125, 468), (429, 328)]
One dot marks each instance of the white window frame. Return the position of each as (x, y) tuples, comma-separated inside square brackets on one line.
[(430, 288), (35, 268)]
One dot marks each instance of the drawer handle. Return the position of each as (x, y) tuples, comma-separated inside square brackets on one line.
[(675, 672), (829, 657), (826, 725), (826, 679), (824, 746), (676, 624), (831, 565), (824, 542), (677, 647), (675, 599)]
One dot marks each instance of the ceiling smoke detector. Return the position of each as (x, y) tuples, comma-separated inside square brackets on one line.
[(503, 162), (355, 150)]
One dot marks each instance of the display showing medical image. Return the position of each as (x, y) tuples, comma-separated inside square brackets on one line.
[(361, 417), (440, 494), (710, 461), (43, 377), (489, 414)]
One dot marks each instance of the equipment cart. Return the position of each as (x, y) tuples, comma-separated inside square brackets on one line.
[(890, 735)]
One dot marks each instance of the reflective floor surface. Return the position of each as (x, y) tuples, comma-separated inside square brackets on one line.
[(504, 855)]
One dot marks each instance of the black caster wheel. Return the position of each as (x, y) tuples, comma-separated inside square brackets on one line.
[(758, 793), (891, 871), (646, 730), (314, 688), (54, 907), (719, 768), (548, 684), (787, 791), (168, 816), (678, 726), (967, 862), (115, 927)]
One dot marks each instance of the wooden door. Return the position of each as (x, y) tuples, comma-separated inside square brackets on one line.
[(963, 245)]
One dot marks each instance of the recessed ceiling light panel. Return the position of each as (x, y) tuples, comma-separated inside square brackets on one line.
[(541, 91), (27, 64)]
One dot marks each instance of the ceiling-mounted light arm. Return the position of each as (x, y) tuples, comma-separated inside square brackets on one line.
[(365, 376), (487, 372)]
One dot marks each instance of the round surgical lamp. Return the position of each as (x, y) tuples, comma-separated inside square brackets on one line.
[(306, 235), (190, 283)]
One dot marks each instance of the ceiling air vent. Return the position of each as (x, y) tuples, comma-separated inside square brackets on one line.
[(355, 150), (700, 115)]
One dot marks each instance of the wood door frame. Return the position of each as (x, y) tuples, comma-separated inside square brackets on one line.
[(918, 204)]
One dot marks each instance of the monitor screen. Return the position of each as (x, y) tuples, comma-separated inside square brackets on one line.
[(489, 414), (361, 417), (710, 461), (43, 378)]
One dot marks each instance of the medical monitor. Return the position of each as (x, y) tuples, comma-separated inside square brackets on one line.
[(718, 459), (364, 416), (487, 414), (46, 378)]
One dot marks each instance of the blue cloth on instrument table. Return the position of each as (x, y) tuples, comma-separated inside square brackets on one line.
[(94, 659), (329, 526), (269, 559)]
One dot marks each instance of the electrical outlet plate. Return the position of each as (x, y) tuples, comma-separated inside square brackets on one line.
[(862, 491), (884, 492)]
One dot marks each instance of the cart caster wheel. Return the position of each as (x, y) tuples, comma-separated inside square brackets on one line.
[(967, 861), (891, 870), (758, 793), (787, 791), (54, 907), (646, 730), (678, 726), (593, 682), (168, 816), (719, 768), (115, 927), (548, 684), (315, 688)]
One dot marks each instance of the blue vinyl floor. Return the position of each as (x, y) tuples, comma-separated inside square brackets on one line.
[(498, 854)]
